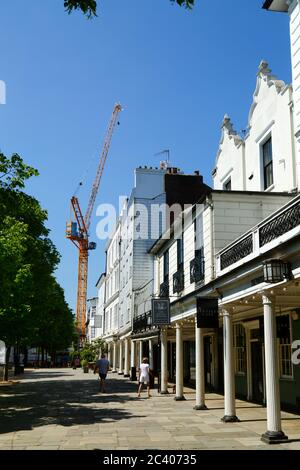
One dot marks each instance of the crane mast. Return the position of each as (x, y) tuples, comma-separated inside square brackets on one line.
[(77, 231)]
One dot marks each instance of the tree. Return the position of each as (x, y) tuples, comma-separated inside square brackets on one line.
[(89, 7), (14, 172), (55, 326), (28, 259), (91, 351)]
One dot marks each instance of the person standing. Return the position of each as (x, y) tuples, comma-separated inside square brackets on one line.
[(102, 365), (144, 376)]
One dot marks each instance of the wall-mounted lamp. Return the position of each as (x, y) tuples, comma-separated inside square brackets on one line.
[(275, 270)]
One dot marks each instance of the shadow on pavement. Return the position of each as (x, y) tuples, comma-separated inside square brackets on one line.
[(62, 402)]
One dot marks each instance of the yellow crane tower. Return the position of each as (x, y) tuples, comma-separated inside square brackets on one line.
[(78, 231)]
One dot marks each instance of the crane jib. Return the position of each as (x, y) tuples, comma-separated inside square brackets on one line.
[(79, 234)]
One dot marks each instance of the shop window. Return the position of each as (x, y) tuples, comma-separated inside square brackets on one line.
[(239, 348), (284, 344)]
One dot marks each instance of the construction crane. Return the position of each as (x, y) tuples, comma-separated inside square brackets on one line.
[(78, 231)]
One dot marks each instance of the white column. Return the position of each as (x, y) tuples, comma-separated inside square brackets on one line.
[(140, 353), (200, 382), (120, 357), (151, 354), (274, 432), (114, 356), (108, 353), (133, 360), (179, 363), (126, 359), (229, 379), (163, 362)]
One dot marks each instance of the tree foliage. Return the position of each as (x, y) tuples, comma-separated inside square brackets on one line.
[(14, 172), (89, 7), (91, 351), (33, 310)]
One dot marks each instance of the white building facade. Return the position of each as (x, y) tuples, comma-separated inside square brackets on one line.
[(255, 195), (237, 250)]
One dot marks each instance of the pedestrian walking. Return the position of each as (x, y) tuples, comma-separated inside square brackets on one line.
[(144, 377), (102, 365)]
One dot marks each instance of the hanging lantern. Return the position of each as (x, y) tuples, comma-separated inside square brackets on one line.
[(276, 270)]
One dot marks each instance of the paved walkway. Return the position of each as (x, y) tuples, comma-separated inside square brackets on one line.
[(62, 409)]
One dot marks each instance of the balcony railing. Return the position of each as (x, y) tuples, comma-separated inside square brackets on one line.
[(237, 252), (178, 281), (281, 224), (197, 269), (164, 289), (142, 322), (256, 241)]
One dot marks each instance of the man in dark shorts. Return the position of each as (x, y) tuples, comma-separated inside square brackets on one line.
[(102, 365)]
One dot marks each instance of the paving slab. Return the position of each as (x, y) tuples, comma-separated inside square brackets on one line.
[(63, 409)]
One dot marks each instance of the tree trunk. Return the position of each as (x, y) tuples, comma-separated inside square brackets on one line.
[(43, 357), (38, 357), (6, 364), (16, 355), (25, 356)]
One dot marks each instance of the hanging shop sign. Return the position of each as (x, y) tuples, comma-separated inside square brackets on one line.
[(207, 313), (160, 311)]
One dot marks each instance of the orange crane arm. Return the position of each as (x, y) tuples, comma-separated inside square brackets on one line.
[(79, 217), (78, 232), (87, 218)]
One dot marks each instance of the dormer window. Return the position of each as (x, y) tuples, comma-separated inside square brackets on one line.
[(267, 156)]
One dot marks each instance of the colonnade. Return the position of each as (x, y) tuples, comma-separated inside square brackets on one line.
[(131, 355)]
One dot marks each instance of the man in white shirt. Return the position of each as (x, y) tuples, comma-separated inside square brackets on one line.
[(102, 365)]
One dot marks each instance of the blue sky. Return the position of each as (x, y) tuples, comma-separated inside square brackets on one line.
[(175, 72)]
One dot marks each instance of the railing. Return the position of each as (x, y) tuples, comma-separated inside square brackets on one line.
[(197, 269), (164, 289), (178, 281), (237, 252), (142, 322), (281, 224), (256, 240)]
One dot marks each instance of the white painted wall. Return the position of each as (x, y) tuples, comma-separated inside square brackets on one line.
[(294, 12), (270, 115)]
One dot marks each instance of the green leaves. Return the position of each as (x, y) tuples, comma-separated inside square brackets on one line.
[(89, 7), (91, 351), (33, 309), (189, 4), (14, 172)]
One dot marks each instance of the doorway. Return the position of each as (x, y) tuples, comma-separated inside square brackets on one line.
[(257, 385), (208, 359)]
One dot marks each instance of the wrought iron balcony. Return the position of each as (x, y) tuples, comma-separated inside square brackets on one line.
[(197, 269), (280, 225), (164, 289), (178, 281), (142, 322), (239, 251)]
